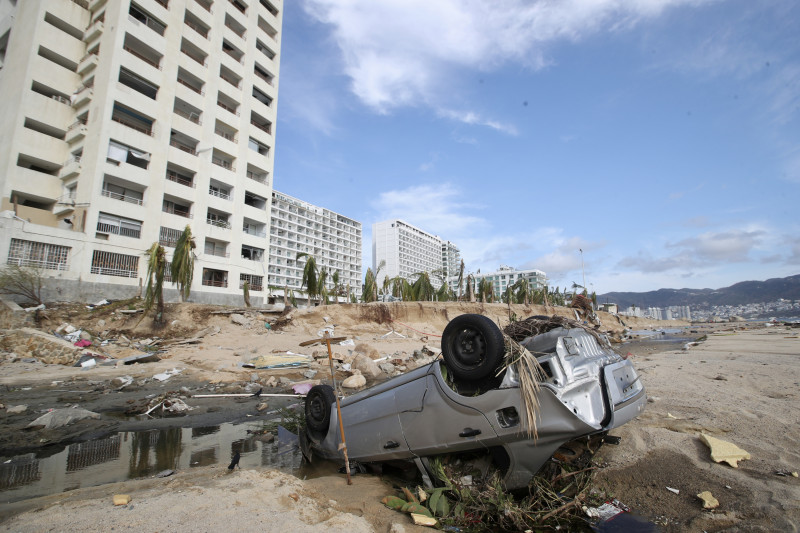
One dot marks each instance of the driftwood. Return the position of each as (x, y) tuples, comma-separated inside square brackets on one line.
[(312, 342), (533, 326)]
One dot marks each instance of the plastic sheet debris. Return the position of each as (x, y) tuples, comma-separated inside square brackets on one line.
[(89, 363), (348, 342), (61, 417), (302, 388), (82, 343), (674, 491), (164, 376), (287, 441)]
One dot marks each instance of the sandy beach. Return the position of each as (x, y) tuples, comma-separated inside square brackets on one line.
[(739, 385)]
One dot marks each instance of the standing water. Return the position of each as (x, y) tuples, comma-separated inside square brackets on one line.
[(137, 454)]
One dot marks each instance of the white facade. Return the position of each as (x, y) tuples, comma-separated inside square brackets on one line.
[(507, 275), (332, 239), (123, 121), (408, 250)]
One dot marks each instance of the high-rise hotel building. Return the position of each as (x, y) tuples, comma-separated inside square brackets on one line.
[(123, 121), (407, 250)]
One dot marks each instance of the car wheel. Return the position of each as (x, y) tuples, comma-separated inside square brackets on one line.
[(318, 410), (472, 347)]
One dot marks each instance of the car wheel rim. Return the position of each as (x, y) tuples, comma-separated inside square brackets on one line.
[(469, 347)]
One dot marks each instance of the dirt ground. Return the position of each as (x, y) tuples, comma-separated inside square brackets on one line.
[(739, 385)]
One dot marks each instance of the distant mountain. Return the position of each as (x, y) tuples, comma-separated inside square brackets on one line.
[(746, 292)]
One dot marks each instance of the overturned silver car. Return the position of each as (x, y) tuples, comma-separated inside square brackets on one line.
[(471, 401)]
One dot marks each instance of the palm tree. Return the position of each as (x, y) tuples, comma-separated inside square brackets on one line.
[(322, 285), (444, 293), (523, 291), (246, 292), (369, 287), (182, 268), (310, 276), (154, 292), (460, 277), (485, 290), (470, 288), (422, 289), (337, 289)]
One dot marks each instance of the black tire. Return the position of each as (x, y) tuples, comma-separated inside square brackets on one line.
[(318, 410), (472, 347)]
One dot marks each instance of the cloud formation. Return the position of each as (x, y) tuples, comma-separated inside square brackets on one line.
[(403, 52)]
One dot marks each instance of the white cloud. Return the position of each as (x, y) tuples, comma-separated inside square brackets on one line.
[(436, 209), (403, 52)]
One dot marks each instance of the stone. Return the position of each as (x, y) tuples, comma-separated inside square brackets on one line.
[(253, 377), (101, 323), (260, 407), (387, 367), (285, 381), (367, 366), (17, 409), (724, 452), (310, 374), (239, 319), (271, 382), (354, 382), (266, 437)]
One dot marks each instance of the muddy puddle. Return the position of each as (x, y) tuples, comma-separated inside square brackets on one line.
[(138, 454)]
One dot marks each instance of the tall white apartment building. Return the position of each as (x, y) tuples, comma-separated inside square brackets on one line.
[(122, 122), (333, 240), (506, 275), (408, 250)]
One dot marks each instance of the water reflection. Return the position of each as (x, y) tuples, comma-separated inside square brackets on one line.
[(139, 454)]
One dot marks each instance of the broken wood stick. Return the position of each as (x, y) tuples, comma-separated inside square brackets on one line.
[(318, 341)]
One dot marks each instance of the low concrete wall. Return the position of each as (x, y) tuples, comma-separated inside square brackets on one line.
[(88, 292)]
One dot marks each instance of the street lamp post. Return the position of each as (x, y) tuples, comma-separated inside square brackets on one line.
[(583, 269)]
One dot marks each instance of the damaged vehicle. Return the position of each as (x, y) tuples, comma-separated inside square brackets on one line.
[(472, 400)]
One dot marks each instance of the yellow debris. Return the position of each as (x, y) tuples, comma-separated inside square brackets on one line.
[(709, 501), (724, 452), (422, 520), (121, 499)]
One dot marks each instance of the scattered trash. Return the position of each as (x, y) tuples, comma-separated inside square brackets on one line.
[(393, 332), (61, 417), (724, 452), (607, 511), (142, 358), (302, 388), (709, 501), (423, 520), (121, 499), (121, 382), (83, 343), (164, 376), (785, 473), (287, 360), (165, 473), (348, 342), (17, 409), (674, 491), (37, 308), (89, 363)]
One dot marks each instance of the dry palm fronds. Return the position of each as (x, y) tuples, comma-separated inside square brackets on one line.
[(531, 326), (530, 374)]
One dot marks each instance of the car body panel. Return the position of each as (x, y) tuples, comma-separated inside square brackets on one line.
[(587, 389)]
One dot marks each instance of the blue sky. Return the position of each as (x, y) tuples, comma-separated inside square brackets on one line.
[(661, 137)]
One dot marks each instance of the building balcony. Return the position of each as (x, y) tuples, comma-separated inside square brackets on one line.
[(87, 64), (94, 31), (218, 223), (82, 96), (122, 197), (72, 167)]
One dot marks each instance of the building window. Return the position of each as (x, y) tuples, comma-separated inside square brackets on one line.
[(215, 278), (111, 264), (120, 226), (38, 254), (256, 282)]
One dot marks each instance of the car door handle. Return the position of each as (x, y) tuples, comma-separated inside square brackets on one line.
[(391, 444), (469, 432)]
